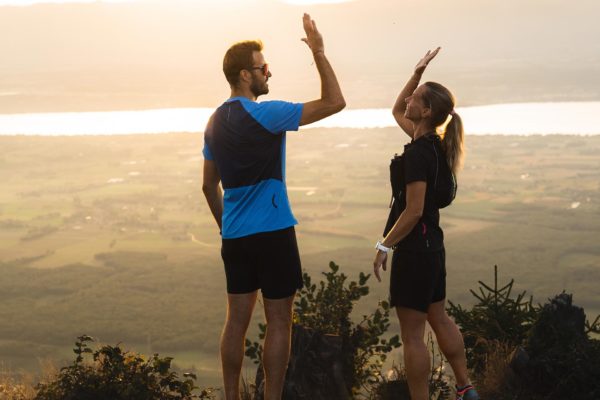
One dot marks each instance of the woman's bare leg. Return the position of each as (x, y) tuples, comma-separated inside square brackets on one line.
[(450, 340), (416, 356)]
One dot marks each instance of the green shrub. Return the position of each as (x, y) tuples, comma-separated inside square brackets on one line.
[(394, 384), (115, 374), (326, 307), (498, 317), (520, 351), (11, 390)]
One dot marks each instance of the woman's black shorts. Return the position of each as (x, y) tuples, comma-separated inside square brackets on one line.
[(417, 279), (269, 261)]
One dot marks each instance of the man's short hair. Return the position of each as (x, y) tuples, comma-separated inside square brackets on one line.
[(239, 57)]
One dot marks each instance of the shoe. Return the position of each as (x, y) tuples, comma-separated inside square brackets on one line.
[(466, 393)]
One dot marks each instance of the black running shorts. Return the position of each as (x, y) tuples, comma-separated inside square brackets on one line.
[(269, 261), (417, 279)]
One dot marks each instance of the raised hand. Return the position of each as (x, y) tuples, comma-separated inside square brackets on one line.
[(422, 64), (313, 38)]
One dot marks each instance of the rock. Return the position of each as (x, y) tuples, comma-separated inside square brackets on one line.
[(560, 323), (560, 361), (519, 361), (315, 370)]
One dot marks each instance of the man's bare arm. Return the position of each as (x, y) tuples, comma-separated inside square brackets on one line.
[(332, 99), (212, 190)]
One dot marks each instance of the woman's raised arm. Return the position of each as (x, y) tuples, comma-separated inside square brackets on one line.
[(400, 105)]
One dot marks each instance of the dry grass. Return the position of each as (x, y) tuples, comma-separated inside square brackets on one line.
[(498, 381), (21, 386), (16, 388), (247, 390)]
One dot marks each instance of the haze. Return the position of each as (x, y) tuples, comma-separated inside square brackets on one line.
[(148, 54), (110, 235)]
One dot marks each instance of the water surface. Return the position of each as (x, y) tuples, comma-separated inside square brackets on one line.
[(572, 118)]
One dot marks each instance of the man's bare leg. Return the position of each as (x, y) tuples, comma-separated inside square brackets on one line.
[(416, 356), (277, 345), (239, 312)]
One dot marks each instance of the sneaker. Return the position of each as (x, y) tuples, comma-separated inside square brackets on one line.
[(466, 393)]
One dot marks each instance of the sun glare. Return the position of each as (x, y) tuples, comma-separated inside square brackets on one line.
[(308, 2), (33, 2)]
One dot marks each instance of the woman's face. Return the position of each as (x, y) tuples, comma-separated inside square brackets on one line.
[(416, 108)]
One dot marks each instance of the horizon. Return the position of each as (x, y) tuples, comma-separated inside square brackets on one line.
[(522, 119)]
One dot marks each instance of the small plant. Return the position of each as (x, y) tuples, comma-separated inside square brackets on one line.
[(325, 308), (119, 375), (592, 328), (498, 317), (499, 381), (518, 350), (11, 390), (247, 390), (394, 384)]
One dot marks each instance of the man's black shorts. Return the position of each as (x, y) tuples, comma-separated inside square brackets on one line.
[(417, 279), (269, 261)]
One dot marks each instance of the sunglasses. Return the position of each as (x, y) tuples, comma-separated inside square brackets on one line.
[(263, 68)]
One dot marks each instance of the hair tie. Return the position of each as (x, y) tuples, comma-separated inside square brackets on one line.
[(453, 113)]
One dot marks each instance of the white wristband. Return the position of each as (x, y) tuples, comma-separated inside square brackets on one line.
[(381, 247)]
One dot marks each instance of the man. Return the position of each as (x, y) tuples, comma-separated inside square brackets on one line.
[(245, 150)]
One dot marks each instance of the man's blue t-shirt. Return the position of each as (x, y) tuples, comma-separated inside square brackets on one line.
[(246, 140)]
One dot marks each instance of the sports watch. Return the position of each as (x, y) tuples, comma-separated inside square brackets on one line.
[(380, 246)]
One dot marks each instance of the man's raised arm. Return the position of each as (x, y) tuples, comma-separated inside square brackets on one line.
[(332, 99)]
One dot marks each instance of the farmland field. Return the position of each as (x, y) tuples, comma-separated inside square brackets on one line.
[(111, 236)]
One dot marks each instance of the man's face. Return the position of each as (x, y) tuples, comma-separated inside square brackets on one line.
[(260, 75)]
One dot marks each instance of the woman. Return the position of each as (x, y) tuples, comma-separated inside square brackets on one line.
[(418, 276)]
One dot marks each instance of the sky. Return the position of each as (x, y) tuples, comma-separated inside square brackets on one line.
[(159, 53), (33, 2)]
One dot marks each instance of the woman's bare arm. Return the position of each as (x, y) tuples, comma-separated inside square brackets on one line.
[(412, 84)]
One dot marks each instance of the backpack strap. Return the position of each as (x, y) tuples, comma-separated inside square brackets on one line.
[(433, 138)]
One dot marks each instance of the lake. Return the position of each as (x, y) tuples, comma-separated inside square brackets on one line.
[(568, 118)]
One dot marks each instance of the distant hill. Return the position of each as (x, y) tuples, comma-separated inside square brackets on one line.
[(100, 56)]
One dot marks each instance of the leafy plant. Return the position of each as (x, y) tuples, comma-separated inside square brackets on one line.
[(11, 390), (394, 384), (326, 307), (539, 352), (119, 375), (498, 316), (592, 327)]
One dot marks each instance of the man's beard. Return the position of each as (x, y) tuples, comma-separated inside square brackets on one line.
[(258, 88)]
